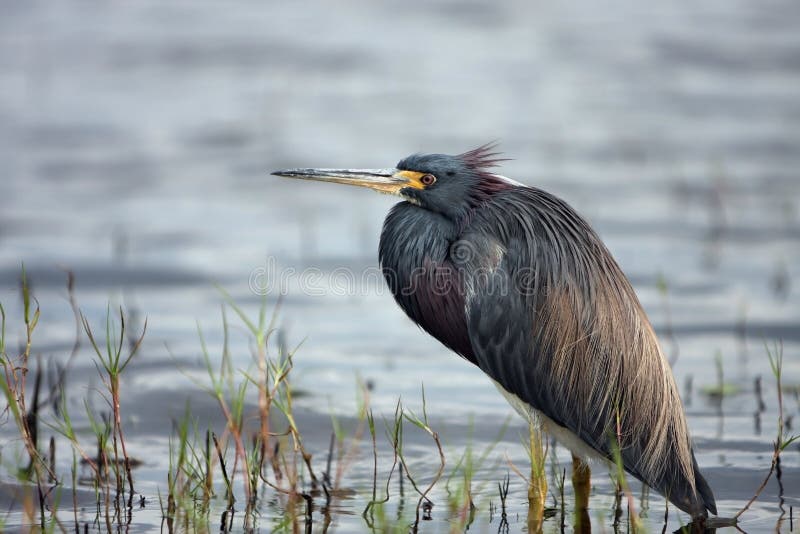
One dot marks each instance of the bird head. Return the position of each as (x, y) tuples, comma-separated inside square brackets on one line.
[(447, 184)]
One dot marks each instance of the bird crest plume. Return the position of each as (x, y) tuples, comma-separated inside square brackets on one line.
[(484, 157)]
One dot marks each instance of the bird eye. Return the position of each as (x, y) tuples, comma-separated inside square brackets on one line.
[(428, 179)]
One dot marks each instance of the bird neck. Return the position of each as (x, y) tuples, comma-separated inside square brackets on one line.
[(486, 187), (415, 259)]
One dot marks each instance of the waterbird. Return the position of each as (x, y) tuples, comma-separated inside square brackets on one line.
[(514, 280)]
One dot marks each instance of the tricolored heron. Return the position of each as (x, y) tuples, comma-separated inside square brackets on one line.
[(514, 280)]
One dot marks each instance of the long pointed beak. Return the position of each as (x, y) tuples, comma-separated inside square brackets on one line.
[(382, 180)]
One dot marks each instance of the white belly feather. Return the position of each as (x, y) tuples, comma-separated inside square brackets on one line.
[(563, 435)]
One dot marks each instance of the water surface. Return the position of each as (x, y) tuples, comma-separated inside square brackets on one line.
[(137, 139)]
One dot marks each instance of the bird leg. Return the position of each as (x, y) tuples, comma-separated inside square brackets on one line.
[(581, 484), (537, 488)]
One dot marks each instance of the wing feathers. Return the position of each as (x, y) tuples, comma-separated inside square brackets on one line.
[(569, 337)]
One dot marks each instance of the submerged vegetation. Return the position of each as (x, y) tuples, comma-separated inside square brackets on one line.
[(222, 472)]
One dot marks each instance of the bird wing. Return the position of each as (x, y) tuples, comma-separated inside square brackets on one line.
[(552, 318)]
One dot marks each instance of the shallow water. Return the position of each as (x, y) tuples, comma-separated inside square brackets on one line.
[(137, 138)]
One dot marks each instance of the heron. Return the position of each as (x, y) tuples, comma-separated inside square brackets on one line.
[(514, 280)]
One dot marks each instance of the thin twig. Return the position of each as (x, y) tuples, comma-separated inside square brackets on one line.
[(221, 457)]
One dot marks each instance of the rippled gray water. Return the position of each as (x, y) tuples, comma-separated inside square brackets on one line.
[(136, 141)]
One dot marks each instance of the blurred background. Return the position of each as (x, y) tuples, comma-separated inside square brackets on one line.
[(136, 141)]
